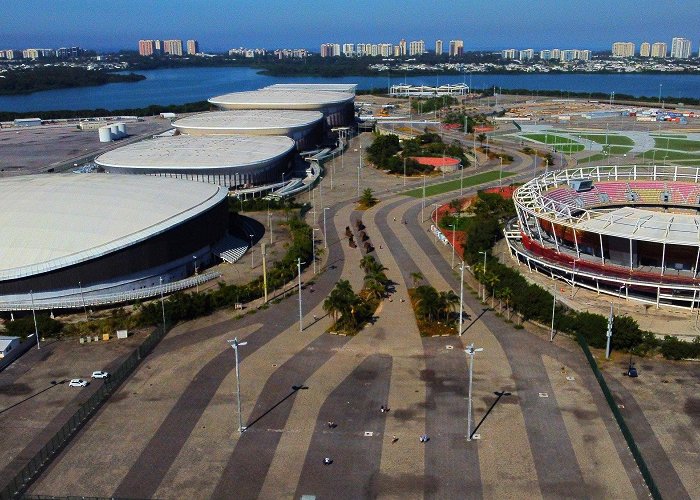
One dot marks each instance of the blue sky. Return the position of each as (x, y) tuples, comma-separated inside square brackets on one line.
[(222, 24)]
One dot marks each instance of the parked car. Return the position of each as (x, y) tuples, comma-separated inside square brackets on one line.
[(100, 374), (77, 382)]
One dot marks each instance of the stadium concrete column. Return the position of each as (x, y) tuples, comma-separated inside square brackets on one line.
[(602, 253), (663, 258)]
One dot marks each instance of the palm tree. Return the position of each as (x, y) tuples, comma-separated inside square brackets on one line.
[(340, 301), (416, 277), (481, 138), (506, 294), (374, 288), (427, 302), (492, 280), (369, 265), (448, 302)]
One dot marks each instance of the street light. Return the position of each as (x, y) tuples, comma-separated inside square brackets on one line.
[(484, 252), (195, 273), (82, 298), (251, 251), (461, 298), (313, 246), (422, 207), (299, 263), (236, 344), (554, 305), (162, 302), (470, 350), (325, 234), (36, 328), (453, 225)]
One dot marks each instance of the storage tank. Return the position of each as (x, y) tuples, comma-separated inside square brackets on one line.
[(115, 131), (122, 129), (105, 134)]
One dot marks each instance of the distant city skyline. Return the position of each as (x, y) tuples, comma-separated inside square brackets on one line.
[(219, 25)]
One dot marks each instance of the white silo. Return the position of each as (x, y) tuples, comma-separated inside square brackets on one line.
[(105, 134), (115, 131), (122, 130)]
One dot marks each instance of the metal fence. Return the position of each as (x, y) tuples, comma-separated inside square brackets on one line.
[(18, 485), (646, 474)]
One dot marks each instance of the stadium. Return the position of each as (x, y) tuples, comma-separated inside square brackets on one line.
[(232, 161), (337, 107), (629, 231), (306, 128), (74, 240)]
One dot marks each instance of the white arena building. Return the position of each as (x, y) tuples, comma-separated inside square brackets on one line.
[(306, 128), (337, 107), (632, 231), (232, 161), (92, 238)]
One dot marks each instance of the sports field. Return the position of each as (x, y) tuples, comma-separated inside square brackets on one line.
[(618, 140), (445, 187)]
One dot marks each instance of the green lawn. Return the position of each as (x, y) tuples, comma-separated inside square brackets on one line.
[(669, 155), (445, 187), (461, 223), (677, 144), (618, 140), (592, 158), (548, 138), (569, 148)]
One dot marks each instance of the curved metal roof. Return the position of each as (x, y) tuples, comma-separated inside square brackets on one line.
[(54, 221), (281, 99), (193, 152), (245, 120)]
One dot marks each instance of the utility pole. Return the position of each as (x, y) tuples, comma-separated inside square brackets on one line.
[(461, 298), (470, 350), (313, 247), (236, 344), (36, 328), (325, 234), (269, 224), (264, 254), (301, 327)]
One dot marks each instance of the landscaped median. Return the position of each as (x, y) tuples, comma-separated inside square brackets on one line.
[(446, 187)]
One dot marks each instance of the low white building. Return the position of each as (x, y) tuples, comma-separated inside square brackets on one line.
[(7, 344)]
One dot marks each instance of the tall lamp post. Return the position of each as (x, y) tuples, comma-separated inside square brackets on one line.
[(484, 252), (82, 298), (162, 302), (313, 246), (470, 350), (195, 273), (236, 344), (325, 234), (251, 252), (36, 327), (299, 263), (453, 226), (461, 298), (554, 306)]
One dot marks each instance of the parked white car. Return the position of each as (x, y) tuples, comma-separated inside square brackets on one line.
[(77, 382), (100, 374)]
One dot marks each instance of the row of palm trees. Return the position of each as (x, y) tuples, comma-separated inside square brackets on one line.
[(432, 305), (350, 310), (490, 281)]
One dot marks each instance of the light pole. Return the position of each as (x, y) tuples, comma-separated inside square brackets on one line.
[(236, 344), (82, 298), (251, 251), (313, 246), (162, 302), (461, 180), (325, 234), (195, 272), (453, 225), (269, 223), (573, 278), (470, 350), (609, 332), (461, 298), (484, 252), (301, 327), (554, 305), (422, 208), (500, 175), (36, 328), (404, 171)]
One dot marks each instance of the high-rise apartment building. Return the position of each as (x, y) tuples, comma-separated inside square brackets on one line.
[(659, 50), (545, 55), (509, 53), (680, 48), (158, 47), (397, 50), (556, 53), (192, 47), (386, 49), (172, 47), (327, 50), (623, 49), (583, 55), (146, 47), (348, 49), (37, 53), (456, 48), (416, 48), (402, 47), (645, 49), (526, 55), (438, 47)]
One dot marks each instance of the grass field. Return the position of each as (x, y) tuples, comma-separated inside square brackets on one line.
[(569, 148), (618, 140), (677, 144), (660, 154), (549, 139), (446, 187)]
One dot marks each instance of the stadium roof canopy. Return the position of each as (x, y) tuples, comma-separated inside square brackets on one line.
[(249, 119), (281, 99), (54, 221), (192, 152), (334, 87), (646, 225)]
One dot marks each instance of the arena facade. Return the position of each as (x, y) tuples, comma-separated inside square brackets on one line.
[(231, 161), (338, 108), (68, 236), (630, 231), (305, 128)]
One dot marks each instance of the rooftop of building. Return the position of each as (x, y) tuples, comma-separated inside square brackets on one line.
[(192, 152), (53, 221), (350, 88), (285, 98), (250, 119)]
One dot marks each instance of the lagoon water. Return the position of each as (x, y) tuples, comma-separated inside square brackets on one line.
[(182, 85)]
